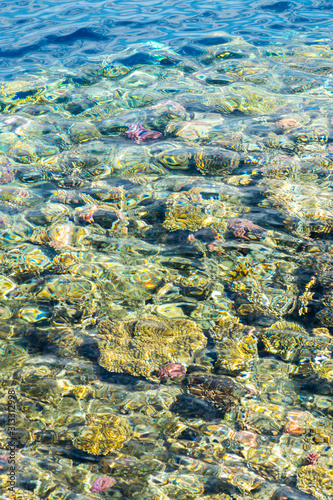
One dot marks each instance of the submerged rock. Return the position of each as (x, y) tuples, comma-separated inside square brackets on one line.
[(289, 493), (223, 392)]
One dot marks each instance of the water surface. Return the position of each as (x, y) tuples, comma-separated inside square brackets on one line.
[(166, 302)]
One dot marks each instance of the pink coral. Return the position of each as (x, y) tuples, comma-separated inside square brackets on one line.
[(102, 484), (244, 227), (139, 133), (312, 458), (247, 438), (287, 123), (7, 175), (173, 370)]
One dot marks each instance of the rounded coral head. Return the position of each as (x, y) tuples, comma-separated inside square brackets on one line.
[(102, 484)]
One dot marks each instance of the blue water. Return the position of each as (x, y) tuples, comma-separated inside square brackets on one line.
[(35, 34)]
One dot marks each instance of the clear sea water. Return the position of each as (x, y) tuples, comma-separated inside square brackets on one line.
[(161, 212), (40, 33)]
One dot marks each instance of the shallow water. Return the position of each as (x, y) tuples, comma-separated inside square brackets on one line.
[(166, 304)]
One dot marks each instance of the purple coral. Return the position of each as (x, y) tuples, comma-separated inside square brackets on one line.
[(102, 484), (139, 133)]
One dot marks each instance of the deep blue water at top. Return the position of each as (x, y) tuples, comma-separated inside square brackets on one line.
[(38, 33)]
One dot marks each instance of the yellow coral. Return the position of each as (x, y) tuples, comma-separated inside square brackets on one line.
[(19, 494), (184, 215), (185, 212), (291, 341), (140, 347), (236, 354), (103, 433), (316, 480), (216, 162), (225, 324)]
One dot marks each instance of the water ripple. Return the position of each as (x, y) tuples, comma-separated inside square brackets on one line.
[(46, 31)]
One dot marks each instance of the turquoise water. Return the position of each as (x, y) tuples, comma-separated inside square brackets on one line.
[(166, 302)]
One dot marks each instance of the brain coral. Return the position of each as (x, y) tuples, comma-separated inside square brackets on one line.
[(142, 347)]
